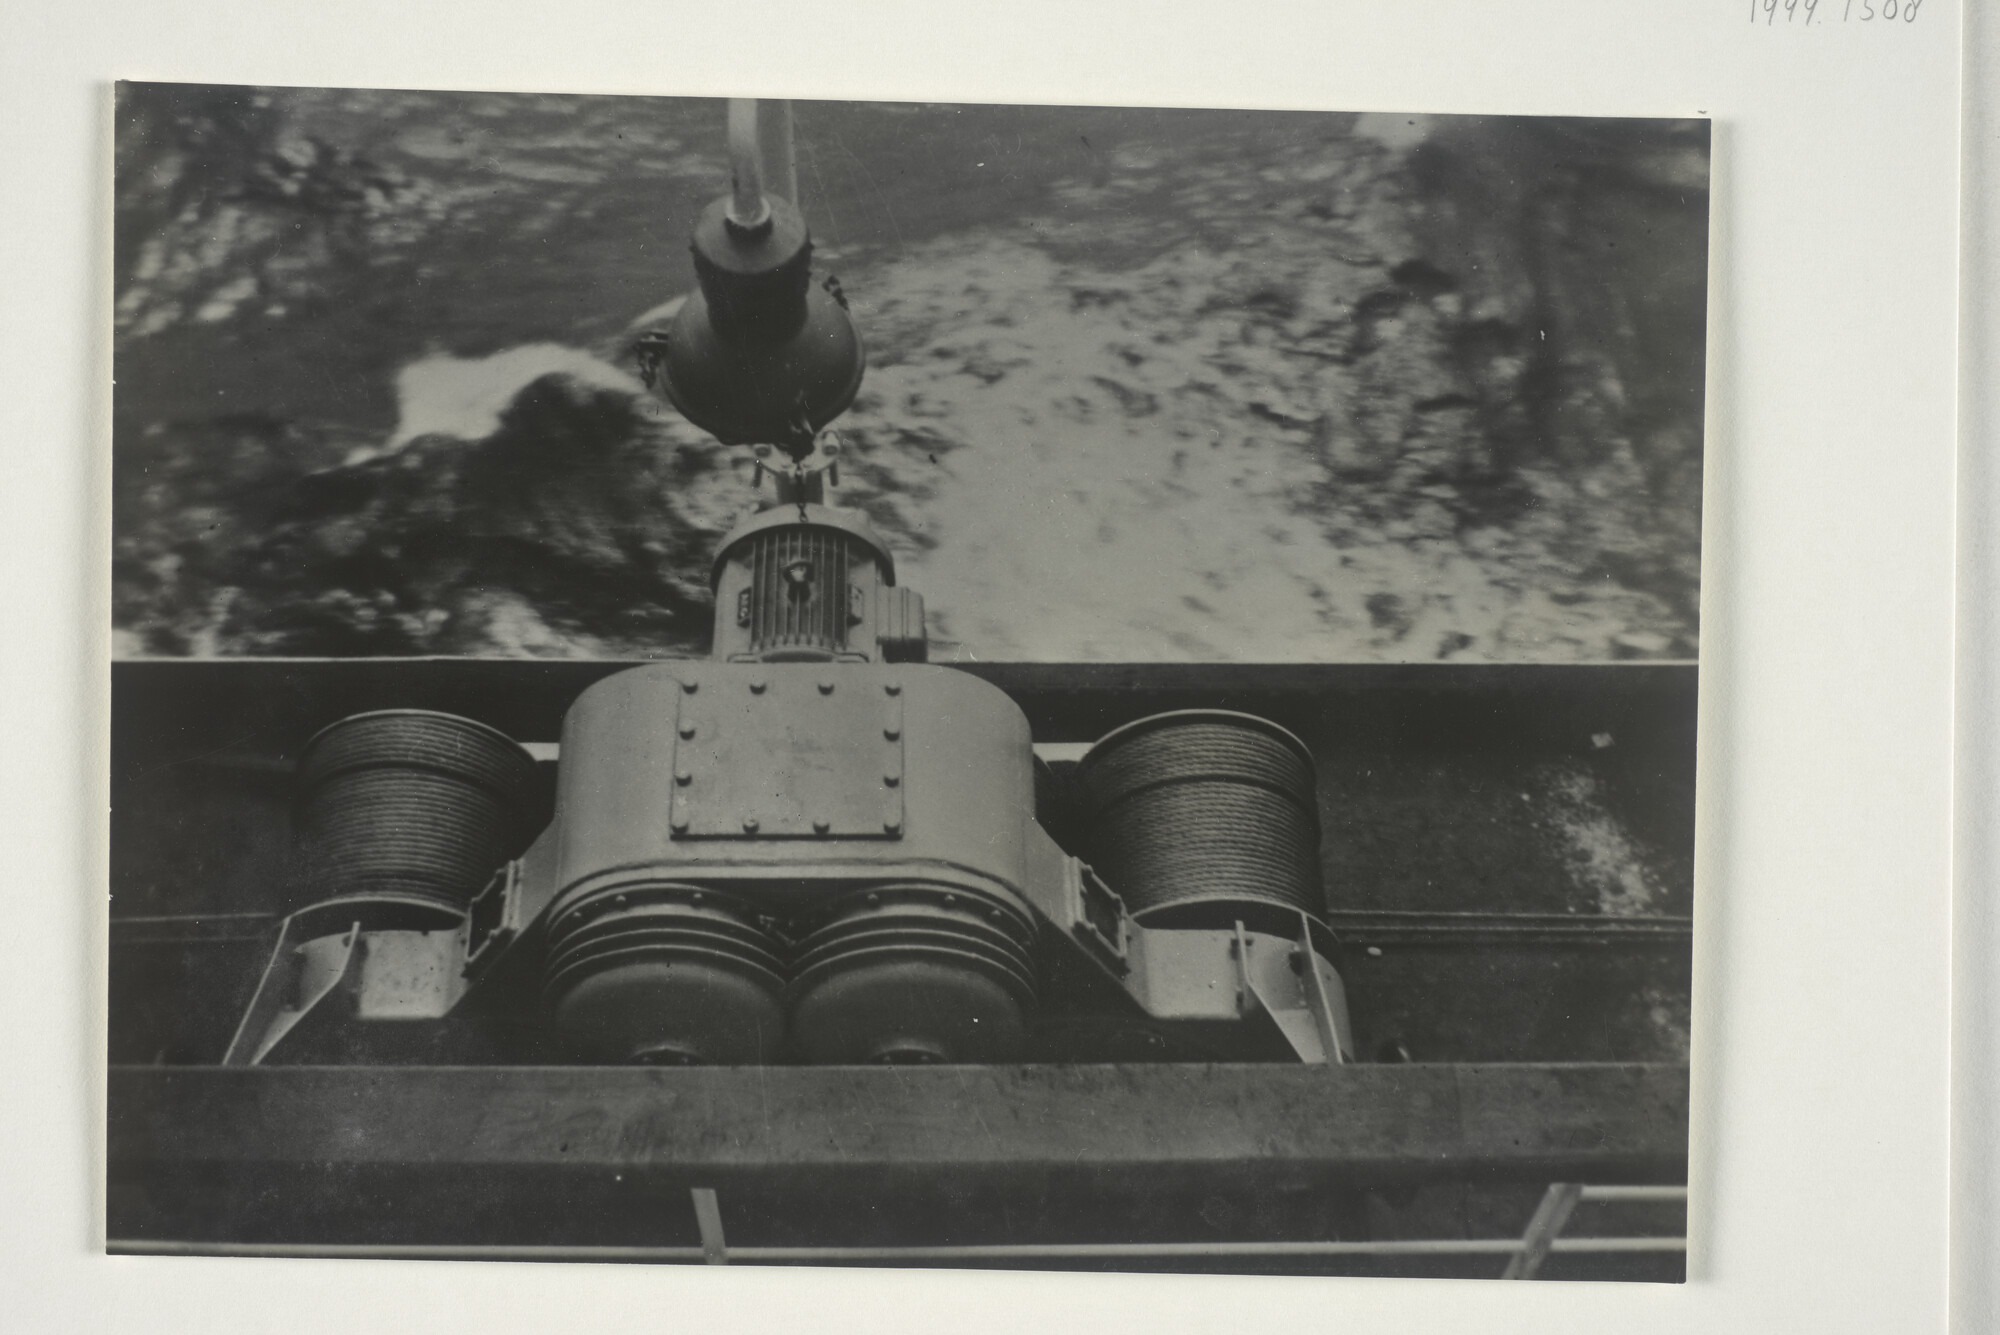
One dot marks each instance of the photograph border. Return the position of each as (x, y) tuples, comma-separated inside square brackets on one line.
[(1778, 827)]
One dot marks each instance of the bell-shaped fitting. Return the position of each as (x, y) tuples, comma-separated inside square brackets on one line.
[(759, 354)]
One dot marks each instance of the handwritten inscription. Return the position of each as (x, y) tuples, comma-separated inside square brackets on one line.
[(1804, 12)]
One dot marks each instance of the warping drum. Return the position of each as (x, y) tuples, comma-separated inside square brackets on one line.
[(914, 974), (410, 804), (1201, 817), (663, 974)]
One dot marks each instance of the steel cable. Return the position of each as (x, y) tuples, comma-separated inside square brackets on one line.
[(1203, 807), (409, 802)]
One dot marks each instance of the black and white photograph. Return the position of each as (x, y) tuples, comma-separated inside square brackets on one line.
[(812, 683)]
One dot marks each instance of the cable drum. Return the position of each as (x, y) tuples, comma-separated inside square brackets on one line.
[(411, 803), (1201, 816)]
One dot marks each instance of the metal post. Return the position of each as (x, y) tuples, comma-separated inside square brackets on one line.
[(1550, 1216), (708, 1217), (747, 206), (774, 145)]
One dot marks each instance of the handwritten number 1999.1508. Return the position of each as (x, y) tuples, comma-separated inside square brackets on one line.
[(1852, 11)]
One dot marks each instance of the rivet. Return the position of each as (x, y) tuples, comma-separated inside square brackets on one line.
[(874, 900), (893, 688), (826, 688), (892, 779), (695, 897), (680, 822), (687, 729), (749, 825), (682, 776), (892, 733), (620, 901), (757, 687), (949, 900), (821, 825), (690, 687), (892, 826)]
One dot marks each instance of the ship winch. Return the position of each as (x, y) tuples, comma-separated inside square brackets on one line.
[(814, 846)]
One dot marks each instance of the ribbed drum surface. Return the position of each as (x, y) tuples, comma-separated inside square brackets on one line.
[(1203, 807), (412, 803), (952, 938), (657, 922)]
